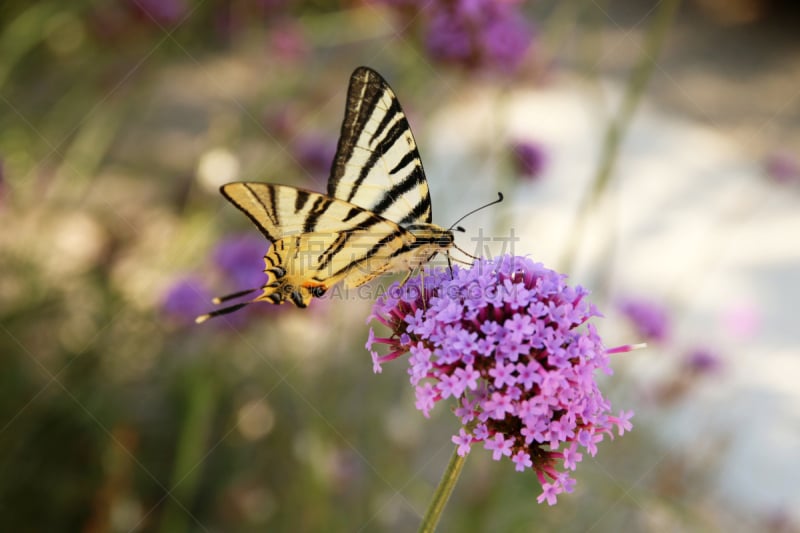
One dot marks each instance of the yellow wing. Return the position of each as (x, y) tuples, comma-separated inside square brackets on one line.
[(308, 264), (280, 211), (317, 241)]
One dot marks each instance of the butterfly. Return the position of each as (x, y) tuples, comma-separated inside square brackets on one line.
[(375, 218)]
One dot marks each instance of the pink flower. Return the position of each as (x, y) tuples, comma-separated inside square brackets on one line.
[(519, 358)]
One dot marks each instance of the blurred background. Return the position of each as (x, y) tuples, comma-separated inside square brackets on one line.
[(647, 149)]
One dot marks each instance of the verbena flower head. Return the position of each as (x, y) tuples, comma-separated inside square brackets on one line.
[(240, 257), (490, 35), (782, 166), (513, 345), (186, 298), (530, 158), (483, 34), (160, 12), (649, 319), (702, 361), (314, 153)]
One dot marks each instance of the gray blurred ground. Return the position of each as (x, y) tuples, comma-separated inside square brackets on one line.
[(731, 64)]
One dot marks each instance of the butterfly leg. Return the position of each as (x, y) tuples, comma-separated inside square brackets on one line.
[(422, 287), (406, 277), (450, 265)]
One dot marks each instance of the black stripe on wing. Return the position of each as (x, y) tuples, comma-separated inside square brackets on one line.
[(363, 95), (389, 237), (317, 210), (367, 90), (327, 256), (385, 144), (421, 211), (269, 214), (411, 181), (370, 220)]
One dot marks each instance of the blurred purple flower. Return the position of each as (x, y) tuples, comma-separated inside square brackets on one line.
[(702, 361), (513, 344), (225, 24), (742, 321), (280, 122), (268, 6), (240, 257), (506, 40), (530, 158), (449, 40), (288, 43), (782, 167), (315, 154), (186, 299), (649, 319), (161, 12), (402, 4), (484, 34)]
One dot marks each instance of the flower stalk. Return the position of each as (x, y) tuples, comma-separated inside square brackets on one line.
[(443, 492), (618, 126)]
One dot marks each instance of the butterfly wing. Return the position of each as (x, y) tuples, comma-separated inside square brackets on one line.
[(324, 259), (377, 188), (318, 240), (377, 165), (280, 211)]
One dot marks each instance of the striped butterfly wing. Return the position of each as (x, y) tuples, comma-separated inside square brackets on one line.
[(377, 165), (375, 219), (318, 241), (280, 211)]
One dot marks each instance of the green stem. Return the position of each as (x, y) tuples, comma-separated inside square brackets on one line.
[(22, 34), (615, 132), (442, 494), (191, 450)]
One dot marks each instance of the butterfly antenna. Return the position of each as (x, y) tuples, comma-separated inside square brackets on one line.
[(219, 299), (218, 312), (499, 199)]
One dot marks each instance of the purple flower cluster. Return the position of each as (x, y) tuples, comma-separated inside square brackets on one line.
[(239, 260), (185, 299), (161, 12), (484, 34), (650, 319), (511, 342), (530, 158), (314, 153), (702, 360), (782, 166)]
